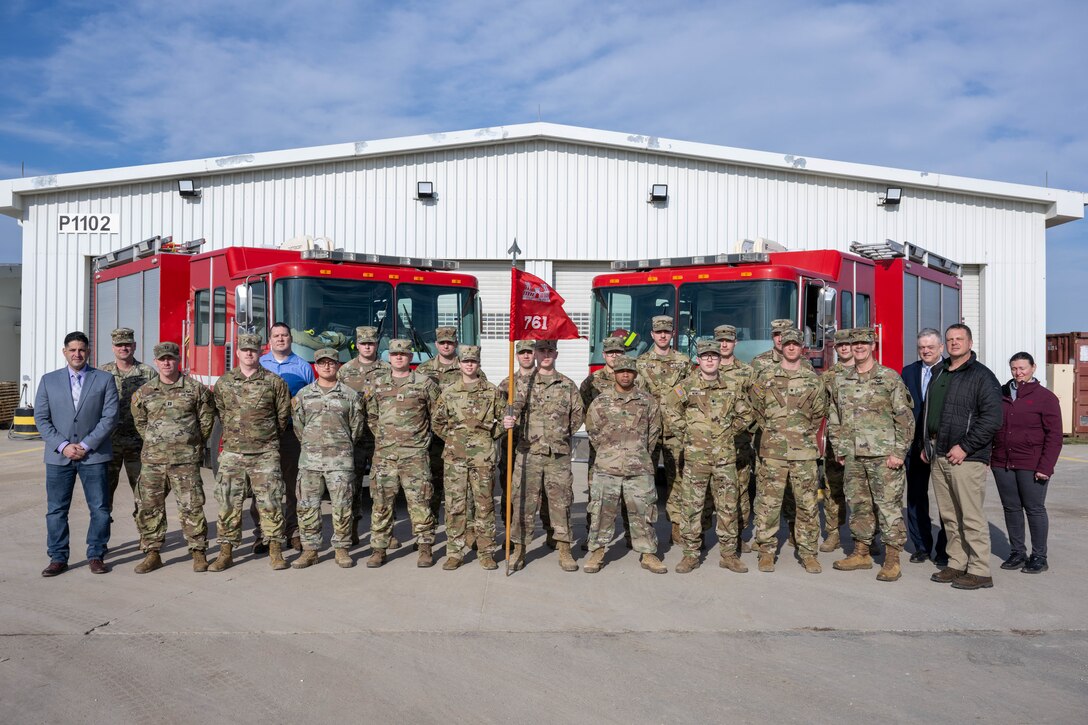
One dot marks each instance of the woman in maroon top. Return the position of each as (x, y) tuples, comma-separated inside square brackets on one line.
[(1024, 453)]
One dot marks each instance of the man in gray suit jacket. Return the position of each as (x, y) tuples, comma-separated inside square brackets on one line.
[(75, 411)]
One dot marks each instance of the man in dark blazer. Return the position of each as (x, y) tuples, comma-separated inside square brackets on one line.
[(75, 411), (917, 376)]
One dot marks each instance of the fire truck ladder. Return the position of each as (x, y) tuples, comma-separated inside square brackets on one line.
[(339, 255), (146, 248), (889, 249)]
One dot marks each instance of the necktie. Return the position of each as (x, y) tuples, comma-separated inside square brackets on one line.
[(77, 388), (925, 380)]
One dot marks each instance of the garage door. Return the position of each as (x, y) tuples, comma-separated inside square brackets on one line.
[(574, 281), (494, 280), (972, 305)]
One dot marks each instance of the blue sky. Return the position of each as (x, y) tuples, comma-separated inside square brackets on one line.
[(992, 89)]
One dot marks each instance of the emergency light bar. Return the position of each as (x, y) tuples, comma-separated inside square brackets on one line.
[(339, 255), (147, 248), (632, 265)]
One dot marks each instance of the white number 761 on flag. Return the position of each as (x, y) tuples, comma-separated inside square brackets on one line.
[(535, 322)]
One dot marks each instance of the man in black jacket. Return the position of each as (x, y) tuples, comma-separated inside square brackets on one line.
[(961, 415)]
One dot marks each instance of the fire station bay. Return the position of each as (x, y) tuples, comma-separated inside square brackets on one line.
[(407, 234)]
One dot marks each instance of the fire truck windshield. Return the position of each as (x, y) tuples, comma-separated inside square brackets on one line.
[(748, 305), (325, 313)]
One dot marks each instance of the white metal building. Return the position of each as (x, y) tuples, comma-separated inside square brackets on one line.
[(574, 198)]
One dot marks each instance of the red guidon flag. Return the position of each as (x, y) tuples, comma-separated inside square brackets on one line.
[(536, 310)]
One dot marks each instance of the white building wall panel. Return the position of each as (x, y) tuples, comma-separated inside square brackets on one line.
[(561, 200)]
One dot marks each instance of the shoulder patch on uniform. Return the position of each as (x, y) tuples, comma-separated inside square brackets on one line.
[(680, 392)]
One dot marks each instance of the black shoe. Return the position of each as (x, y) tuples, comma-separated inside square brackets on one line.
[(918, 557), (1035, 565), (1015, 561), (941, 561)]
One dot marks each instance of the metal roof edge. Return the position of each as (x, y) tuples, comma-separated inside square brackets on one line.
[(1062, 205)]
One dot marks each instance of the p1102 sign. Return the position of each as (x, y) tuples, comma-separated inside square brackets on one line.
[(88, 224)]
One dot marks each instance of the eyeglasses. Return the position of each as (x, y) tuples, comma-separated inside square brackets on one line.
[(325, 362)]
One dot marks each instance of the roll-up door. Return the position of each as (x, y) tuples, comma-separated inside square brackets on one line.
[(494, 280), (574, 281), (972, 305)]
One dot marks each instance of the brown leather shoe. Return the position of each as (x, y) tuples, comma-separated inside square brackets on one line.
[(97, 566), (947, 575), (55, 568), (972, 581)]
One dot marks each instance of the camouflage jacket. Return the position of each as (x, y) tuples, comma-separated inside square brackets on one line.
[(127, 384), (357, 375), (659, 374), (468, 417), (707, 415), (520, 381), (549, 411), (624, 428), (255, 411), (772, 357), (443, 374), (789, 407), (739, 376), (872, 414), (174, 420), (598, 382), (828, 377), (398, 410), (328, 422)]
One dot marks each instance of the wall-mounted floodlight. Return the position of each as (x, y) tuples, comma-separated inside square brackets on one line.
[(424, 189), (891, 197), (659, 192), (187, 188)]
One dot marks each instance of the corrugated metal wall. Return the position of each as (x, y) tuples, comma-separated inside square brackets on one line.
[(561, 201)]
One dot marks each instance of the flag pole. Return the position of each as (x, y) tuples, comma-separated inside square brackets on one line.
[(514, 250)]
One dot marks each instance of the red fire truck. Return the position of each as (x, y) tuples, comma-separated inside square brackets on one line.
[(171, 291), (896, 288)]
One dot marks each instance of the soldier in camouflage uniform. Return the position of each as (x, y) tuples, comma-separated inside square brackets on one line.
[(706, 411), (660, 370), (328, 420), (833, 499), (255, 408), (774, 355), (789, 403), (468, 416), (871, 427), (174, 415), (356, 373), (129, 374), (738, 375), (526, 359), (624, 426), (548, 411), (599, 381), (399, 405)]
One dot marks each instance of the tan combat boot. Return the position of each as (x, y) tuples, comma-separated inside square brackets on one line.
[(860, 559), (394, 543), (425, 558), (308, 558), (151, 562), (831, 542), (566, 561), (688, 564), (766, 561), (812, 566), (732, 562), (596, 561), (676, 540), (452, 563), (224, 560), (275, 556), (652, 564), (890, 571), (745, 547), (296, 542), (487, 561), (377, 558), (343, 558), (517, 557), (200, 561), (470, 539)]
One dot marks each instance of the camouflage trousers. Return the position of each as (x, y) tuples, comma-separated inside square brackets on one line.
[(290, 450), (311, 486), (249, 474), (834, 497), (156, 481), (875, 493), (535, 474), (470, 504), (774, 477), (639, 492), (409, 470), (545, 516), (720, 483), (126, 455), (364, 454), (745, 469), (672, 456)]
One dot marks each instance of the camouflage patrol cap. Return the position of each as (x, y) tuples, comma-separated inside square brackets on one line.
[(249, 341), (523, 346), (326, 353), (613, 344), (469, 353), (777, 326), (544, 345), (123, 335), (400, 346), (366, 334), (167, 349), (725, 332), (863, 335), (445, 334), (625, 364), (792, 334), (844, 337), (661, 322), (708, 346)]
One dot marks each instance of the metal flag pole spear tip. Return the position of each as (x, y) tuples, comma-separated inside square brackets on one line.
[(514, 251)]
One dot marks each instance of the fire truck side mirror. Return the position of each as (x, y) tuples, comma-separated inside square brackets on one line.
[(243, 313), (827, 310)]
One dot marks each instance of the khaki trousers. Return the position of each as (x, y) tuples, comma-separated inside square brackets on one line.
[(960, 492)]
